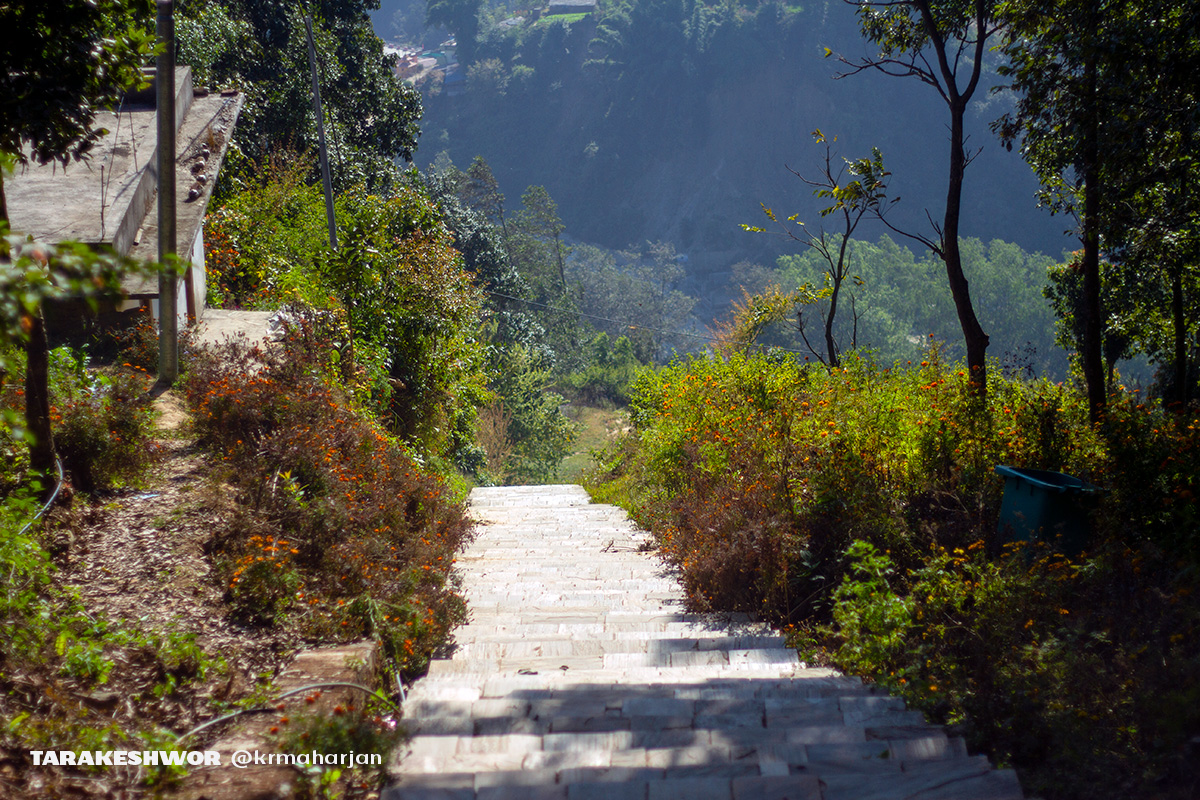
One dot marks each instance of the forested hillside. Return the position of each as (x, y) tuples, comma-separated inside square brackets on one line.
[(671, 120)]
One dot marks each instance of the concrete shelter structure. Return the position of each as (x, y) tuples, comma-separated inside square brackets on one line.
[(111, 198)]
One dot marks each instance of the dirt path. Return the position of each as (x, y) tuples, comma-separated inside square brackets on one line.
[(138, 560)]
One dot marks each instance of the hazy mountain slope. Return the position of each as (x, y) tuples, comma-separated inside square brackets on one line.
[(685, 149)]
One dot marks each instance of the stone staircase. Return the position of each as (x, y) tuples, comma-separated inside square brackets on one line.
[(580, 677)]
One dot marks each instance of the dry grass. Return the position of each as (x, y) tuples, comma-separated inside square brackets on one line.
[(598, 427)]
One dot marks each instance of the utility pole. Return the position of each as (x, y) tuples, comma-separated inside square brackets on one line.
[(316, 91), (168, 282)]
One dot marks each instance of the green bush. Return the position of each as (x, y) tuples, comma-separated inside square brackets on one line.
[(263, 583), (405, 312), (101, 423), (1042, 662), (261, 247), (860, 504), (539, 435), (610, 371), (363, 726), (404, 291)]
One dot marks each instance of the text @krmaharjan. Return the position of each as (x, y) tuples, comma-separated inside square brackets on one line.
[(195, 758)]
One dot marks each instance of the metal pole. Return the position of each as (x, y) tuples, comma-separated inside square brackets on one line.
[(316, 90), (168, 323)]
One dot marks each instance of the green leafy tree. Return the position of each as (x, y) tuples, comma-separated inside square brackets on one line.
[(898, 305), (942, 43), (211, 41), (1156, 233), (852, 200), (1008, 283), (902, 303), (406, 294), (522, 431), (610, 46), (261, 47), (471, 202), (1158, 279), (611, 369), (481, 191), (1124, 324), (635, 294), (539, 231), (541, 436), (62, 61), (536, 250), (488, 77), (1094, 118)]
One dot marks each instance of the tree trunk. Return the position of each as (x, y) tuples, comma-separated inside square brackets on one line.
[(976, 340), (839, 275), (1180, 331), (37, 397), (1182, 384), (1092, 355), (42, 456), (830, 344)]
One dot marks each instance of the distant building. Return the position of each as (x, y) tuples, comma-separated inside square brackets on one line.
[(455, 83), (111, 199), (408, 60), (407, 66), (571, 7)]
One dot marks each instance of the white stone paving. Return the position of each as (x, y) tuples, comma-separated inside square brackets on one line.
[(580, 675)]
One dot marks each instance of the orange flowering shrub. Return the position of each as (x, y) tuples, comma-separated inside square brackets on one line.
[(861, 505), (263, 582), (340, 525)]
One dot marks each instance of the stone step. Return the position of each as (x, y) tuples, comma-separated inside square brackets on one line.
[(517, 647), (563, 758), (772, 706), (735, 659), (729, 729), (581, 676), (612, 620), (736, 721), (600, 632), (619, 583), (560, 670), (807, 685), (886, 779), (646, 603)]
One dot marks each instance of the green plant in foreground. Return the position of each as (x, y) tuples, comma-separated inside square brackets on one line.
[(365, 728), (101, 425), (871, 617)]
